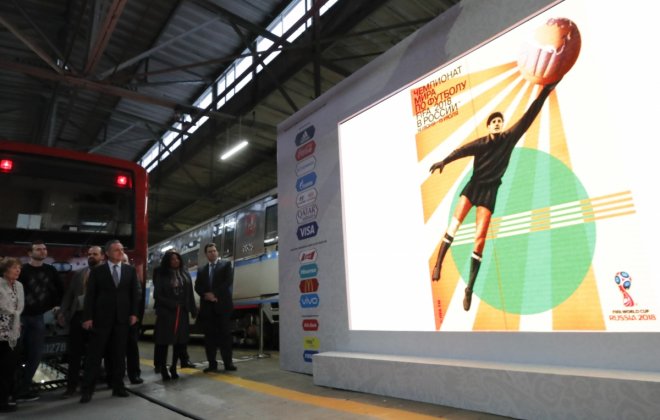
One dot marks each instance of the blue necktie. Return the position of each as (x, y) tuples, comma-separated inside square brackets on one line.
[(115, 275)]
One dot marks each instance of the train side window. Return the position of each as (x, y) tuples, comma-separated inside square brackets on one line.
[(229, 235), (270, 235)]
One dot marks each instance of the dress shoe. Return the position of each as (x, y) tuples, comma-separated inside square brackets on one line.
[(173, 373), (120, 393), (85, 398), (164, 373), (157, 369), (136, 381), (211, 369), (230, 368), (188, 364)]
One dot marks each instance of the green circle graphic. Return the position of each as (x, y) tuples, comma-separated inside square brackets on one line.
[(531, 272)]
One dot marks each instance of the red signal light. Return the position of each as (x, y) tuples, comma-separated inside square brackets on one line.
[(6, 165), (121, 181)]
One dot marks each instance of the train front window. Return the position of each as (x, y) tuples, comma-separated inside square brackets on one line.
[(68, 202)]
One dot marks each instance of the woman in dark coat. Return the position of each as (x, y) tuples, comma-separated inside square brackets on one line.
[(173, 301)]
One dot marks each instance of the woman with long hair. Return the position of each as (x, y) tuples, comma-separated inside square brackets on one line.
[(173, 301)]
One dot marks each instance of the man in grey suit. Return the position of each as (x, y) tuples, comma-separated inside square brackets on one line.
[(214, 287), (111, 306)]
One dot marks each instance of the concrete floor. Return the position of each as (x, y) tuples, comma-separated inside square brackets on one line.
[(258, 389)]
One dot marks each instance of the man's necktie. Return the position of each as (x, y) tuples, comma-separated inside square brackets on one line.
[(211, 270), (115, 275)]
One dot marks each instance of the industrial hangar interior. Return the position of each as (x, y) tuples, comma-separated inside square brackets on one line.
[(175, 85), (126, 78)]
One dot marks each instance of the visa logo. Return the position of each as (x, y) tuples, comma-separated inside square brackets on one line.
[(307, 355), (308, 270), (307, 231), (309, 285), (306, 214), (310, 325), (311, 343), (306, 181), (306, 197), (305, 166), (305, 135), (310, 300), (307, 255), (305, 150)]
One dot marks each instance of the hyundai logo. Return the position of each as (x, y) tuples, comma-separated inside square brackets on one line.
[(306, 197)]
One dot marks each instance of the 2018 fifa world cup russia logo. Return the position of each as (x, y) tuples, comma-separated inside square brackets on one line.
[(624, 281)]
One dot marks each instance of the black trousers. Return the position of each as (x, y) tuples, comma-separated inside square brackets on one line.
[(8, 369), (132, 352), (116, 336), (76, 346), (217, 334)]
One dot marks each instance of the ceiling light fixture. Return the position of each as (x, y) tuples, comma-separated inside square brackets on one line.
[(234, 150)]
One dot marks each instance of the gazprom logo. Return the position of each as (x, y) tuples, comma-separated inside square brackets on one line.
[(308, 271), (306, 181), (306, 214), (306, 135), (309, 300), (306, 197), (305, 166), (308, 230), (307, 355)]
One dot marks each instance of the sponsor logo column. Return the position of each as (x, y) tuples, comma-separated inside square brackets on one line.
[(308, 227)]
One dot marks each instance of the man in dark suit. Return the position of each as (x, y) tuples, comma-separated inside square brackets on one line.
[(110, 308), (214, 286)]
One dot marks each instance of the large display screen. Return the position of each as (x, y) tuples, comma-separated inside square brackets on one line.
[(511, 189)]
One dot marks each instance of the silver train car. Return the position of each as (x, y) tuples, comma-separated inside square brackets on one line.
[(246, 236)]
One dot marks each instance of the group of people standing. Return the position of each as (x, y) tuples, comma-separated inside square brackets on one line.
[(174, 302), (102, 307)]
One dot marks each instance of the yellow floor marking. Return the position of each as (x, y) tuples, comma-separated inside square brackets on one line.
[(315, 400)]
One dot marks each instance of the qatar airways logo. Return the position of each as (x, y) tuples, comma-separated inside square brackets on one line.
[(306, 214)]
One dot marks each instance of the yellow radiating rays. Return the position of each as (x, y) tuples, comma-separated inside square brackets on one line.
[(434, 190)]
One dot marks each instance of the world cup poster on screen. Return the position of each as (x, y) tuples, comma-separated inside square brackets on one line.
[(502, 193)]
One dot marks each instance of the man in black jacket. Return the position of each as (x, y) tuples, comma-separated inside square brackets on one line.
[(110, 308), (214, 286), (43, 292)]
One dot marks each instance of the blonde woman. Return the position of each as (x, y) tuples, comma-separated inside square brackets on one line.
[(11, 305)]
